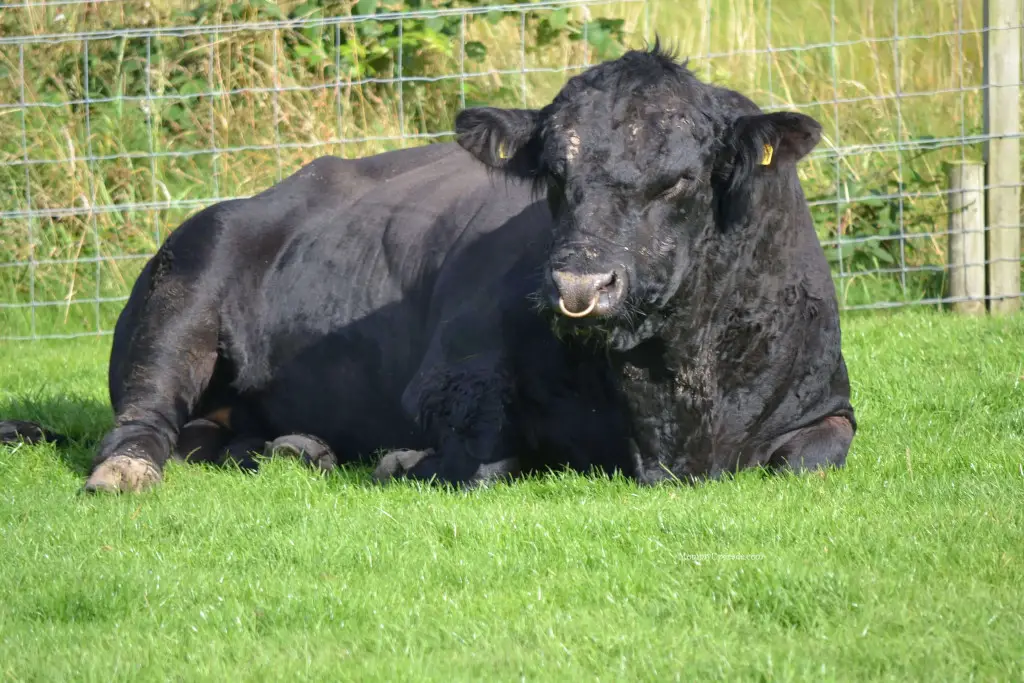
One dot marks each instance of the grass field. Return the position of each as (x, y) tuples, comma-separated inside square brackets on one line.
[(905, 566), (836, 60)]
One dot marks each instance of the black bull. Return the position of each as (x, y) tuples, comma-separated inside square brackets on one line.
[(415, 303)]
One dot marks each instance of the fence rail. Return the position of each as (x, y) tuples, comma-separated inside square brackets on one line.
[(109, 137)]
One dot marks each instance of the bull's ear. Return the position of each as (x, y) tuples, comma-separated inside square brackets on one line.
[(504, 139), (777, 137), (767, 140)]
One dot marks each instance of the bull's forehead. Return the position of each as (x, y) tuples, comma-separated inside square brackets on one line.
[(625, 140)]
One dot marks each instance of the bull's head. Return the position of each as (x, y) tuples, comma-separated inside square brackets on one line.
[(637, 158)]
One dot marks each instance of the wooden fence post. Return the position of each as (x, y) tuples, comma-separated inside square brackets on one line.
[(1002, 158), (966, 182)]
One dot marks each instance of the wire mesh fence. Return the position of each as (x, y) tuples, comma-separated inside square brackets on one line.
[(118, 119)]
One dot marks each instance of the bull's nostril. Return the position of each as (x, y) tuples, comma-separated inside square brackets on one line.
[(579, 295)]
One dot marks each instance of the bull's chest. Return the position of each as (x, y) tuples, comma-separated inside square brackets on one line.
[(671, 410)]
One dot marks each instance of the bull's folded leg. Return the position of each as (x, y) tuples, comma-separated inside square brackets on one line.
[(816, 447), (310, 450), (202, 440), (464, 408)]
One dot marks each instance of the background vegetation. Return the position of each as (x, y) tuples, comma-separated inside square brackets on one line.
[(147, 137)]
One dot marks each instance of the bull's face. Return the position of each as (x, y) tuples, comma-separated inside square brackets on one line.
[(636, 156)]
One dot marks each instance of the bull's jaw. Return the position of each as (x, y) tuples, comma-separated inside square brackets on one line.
[(623, 339)]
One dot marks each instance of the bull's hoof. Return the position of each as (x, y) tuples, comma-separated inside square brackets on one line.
[(123, 473), (309, 449), (397, 464)]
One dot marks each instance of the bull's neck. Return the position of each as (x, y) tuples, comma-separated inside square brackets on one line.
[(741, 261), (671, 381)]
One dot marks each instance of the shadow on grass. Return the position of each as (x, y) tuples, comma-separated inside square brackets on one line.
[(81, 421), (75, 425)]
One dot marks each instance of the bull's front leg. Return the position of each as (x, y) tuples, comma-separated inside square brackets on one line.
[(464, 409)]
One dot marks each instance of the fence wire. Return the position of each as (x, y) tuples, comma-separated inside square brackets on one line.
[(110, 137)]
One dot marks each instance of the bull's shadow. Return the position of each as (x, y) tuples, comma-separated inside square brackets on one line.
[(81, 420)]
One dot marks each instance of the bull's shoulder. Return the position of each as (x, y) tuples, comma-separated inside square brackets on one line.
[(333, 174)]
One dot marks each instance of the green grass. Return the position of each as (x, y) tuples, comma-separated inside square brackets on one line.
[(907, 565)]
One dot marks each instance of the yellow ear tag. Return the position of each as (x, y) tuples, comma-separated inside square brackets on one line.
[(768, 152), (502, 153)]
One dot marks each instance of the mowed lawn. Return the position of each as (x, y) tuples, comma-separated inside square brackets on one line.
[(905, 566)]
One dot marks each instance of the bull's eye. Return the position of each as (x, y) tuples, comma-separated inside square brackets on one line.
[(555, 174), (556, 184)]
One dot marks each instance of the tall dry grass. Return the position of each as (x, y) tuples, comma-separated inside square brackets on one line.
[(275, 114)]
